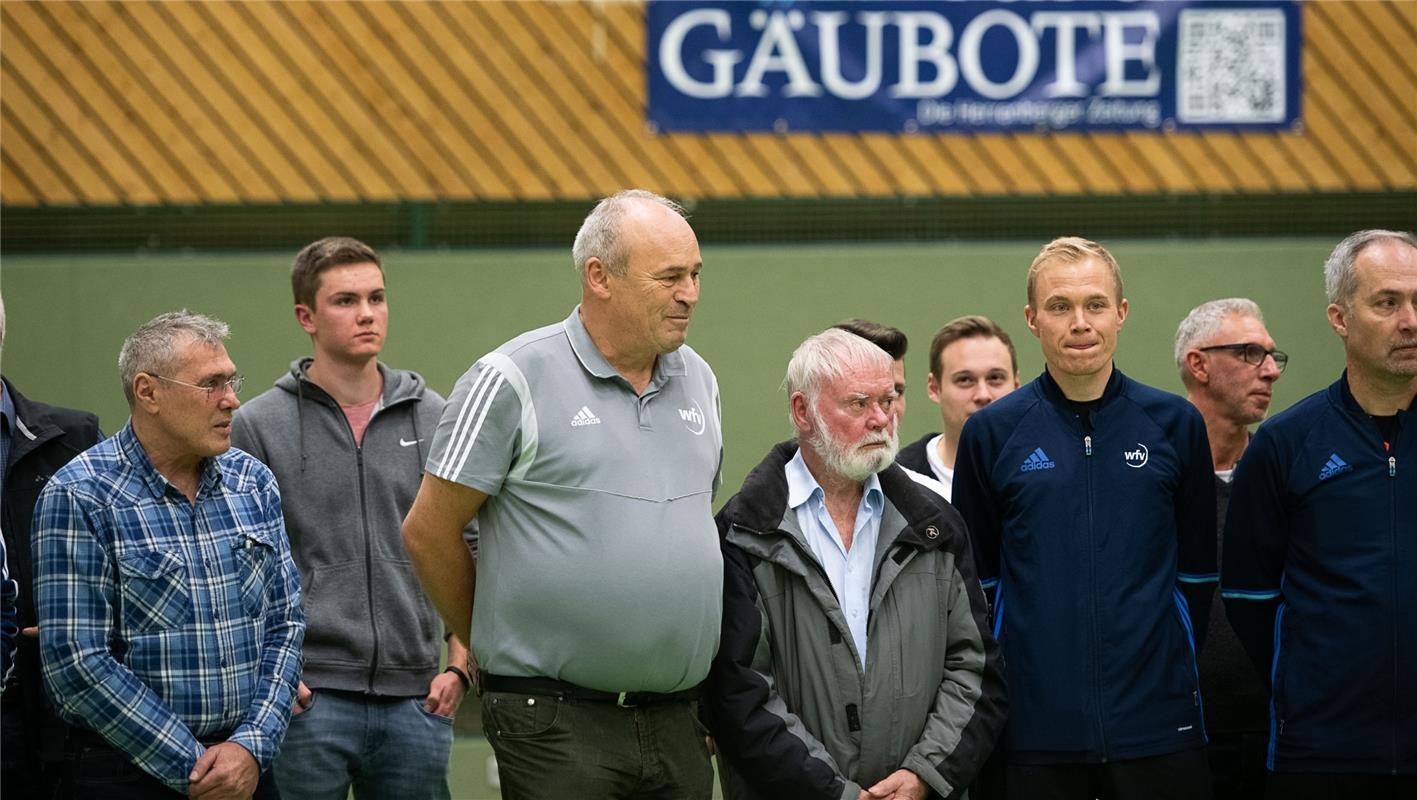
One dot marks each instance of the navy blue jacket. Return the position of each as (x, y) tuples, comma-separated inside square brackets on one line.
[(1320, 583), (1099, 543)]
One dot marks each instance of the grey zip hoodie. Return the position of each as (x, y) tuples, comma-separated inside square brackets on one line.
[(371, 628)]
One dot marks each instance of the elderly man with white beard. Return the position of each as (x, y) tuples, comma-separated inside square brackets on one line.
[(855, 659)]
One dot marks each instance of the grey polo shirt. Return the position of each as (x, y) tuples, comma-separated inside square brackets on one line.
[(599, 562)]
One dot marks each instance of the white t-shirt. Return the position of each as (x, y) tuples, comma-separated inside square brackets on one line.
[(943, 474)]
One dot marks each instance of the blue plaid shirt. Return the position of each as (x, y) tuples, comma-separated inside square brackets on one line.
[(162, 621)]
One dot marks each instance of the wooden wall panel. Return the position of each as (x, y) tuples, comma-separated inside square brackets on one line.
[(147, 102)]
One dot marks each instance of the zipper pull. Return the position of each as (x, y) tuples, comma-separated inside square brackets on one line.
[(1087, 445), (1392, 466)]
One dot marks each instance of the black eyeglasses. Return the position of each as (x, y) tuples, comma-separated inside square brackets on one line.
[(1252, 353)]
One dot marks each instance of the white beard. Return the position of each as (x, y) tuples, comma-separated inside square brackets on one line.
[(847, 460)]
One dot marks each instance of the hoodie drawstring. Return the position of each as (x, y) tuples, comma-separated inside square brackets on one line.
[(300, 419)]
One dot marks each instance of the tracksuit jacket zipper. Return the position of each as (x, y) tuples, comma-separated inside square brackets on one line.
[(1092, 595), (1392, 533)]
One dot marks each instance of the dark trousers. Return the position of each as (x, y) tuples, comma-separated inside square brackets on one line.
[(96, 770), (1339, 786), (32, 741), (24, 773), (551, 746), (1175, 776), (1237, 764)]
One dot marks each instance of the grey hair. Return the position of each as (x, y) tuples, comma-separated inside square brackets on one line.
[(1339, 278), (599, 236), (152, 348), (1205, 319), (825, 356)]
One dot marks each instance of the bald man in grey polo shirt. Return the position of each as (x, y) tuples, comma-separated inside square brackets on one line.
[(590, 450)]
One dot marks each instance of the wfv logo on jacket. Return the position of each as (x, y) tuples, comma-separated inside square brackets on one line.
[(1136, 459)]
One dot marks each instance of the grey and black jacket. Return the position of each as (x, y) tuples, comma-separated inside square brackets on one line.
[(789, 706), (370, 626)]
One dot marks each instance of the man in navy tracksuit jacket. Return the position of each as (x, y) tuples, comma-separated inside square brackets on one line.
[(1091, 503), (1320, 578)]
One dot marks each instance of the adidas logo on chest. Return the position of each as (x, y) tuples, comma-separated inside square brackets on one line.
[(584, 417), (1037, 460), (1334, 466)]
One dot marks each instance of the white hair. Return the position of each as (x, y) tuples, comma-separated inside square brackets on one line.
[(1339, 278), (1205, 319), (152, 348), (825, 356), (599, 236)]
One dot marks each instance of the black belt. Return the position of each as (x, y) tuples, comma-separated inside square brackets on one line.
[(551, 687)]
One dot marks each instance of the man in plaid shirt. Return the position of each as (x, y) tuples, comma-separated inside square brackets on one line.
[(168, 603)]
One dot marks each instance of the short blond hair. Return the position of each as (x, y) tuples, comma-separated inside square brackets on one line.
[(1072, 250)]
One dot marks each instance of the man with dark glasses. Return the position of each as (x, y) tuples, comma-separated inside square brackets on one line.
[(1229, 366)]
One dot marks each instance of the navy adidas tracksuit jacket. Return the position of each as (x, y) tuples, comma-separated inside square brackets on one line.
[(1101, 539), (1320, 583)]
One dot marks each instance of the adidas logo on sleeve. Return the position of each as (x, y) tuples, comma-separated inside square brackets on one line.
[(1334, 466), (1037, 460), (584, 417)]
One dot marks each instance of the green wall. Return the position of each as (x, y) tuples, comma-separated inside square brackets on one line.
[(69, 314)]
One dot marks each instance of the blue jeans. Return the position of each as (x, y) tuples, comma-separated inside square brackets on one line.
[(382, 747)]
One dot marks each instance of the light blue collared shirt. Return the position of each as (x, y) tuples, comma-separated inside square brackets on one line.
[(850, 571)]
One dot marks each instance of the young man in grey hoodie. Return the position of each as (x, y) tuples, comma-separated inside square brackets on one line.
[(346, 437)]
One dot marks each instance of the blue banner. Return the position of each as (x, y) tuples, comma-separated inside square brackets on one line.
[(972, 66)]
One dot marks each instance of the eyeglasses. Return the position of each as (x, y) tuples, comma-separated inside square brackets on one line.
[(213, 388), (1253, 353)]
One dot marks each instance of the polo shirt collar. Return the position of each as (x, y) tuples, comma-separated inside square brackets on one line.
[(133, 452), (665, 366)]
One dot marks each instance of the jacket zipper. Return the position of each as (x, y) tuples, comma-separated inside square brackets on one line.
[(1392, 533), (1092, 595), (811, 559), (368, 543)]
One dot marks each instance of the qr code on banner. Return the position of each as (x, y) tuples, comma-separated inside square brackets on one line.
[(1230, 66)]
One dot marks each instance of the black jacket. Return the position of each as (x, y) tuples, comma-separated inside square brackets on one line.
[(45, 439), (916, 456)]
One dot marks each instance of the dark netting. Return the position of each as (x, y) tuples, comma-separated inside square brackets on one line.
[(513, 224)]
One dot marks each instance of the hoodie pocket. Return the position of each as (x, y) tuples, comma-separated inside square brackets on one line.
[(155, 596), (336, 601)]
